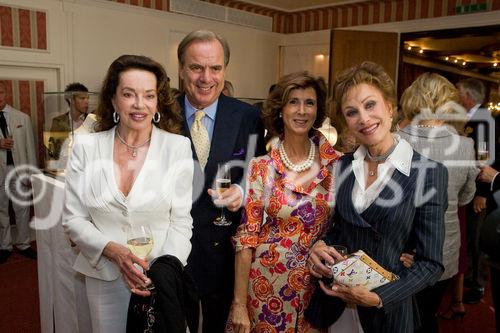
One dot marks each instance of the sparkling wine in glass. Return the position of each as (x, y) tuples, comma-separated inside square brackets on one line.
[(140, 242), (222, 184), (482, 153)]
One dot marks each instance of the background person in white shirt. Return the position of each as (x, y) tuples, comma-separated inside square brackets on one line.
[(17, 150)]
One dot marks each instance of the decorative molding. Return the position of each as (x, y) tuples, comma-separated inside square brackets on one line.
[(23, 28)]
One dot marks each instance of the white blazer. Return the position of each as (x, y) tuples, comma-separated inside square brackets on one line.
[(96, 212), (24, 152)]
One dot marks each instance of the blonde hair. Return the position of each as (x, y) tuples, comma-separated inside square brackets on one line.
[(431, 96)]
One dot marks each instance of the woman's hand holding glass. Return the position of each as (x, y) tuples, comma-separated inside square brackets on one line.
[(140, 243), (136, 280), (321, 258)]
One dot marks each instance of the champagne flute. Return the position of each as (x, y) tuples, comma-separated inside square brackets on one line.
[(482, 153), (222, 184), (9, 134), (140, 242)]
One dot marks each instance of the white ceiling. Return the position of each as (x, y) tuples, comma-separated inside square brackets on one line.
[(297, 5)]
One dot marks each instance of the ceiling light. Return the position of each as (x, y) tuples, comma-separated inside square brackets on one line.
[(421, 51), (455, 61), (464, 63), (495, 64), (447, 58)]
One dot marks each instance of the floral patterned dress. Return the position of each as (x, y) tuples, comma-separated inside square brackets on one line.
[(280, 223)]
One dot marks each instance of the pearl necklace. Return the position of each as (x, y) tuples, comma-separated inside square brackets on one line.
[(131, 147), (426, 126), (303, 166)]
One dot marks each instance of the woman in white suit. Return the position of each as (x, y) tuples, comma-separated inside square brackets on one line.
[(134, 170)]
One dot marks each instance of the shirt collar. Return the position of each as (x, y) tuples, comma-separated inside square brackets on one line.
[(5, 109), (473, 110), (400, 158), (209, 110)]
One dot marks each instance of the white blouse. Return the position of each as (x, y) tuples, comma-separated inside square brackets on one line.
[(399, 159)]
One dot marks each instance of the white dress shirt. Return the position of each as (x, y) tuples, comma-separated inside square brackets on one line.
[(399, 159)]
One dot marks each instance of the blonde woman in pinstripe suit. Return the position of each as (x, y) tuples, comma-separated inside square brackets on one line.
[(389, 199)]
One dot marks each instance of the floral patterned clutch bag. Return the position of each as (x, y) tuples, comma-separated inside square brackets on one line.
[(358, 269)]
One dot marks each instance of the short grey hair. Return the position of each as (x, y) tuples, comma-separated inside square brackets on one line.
[(475, 88), (202, 36)]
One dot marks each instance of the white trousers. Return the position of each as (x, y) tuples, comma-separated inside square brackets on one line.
[(108, 303), (21, 209)]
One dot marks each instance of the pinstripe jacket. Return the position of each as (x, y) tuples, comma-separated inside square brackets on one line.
[(416, 221)]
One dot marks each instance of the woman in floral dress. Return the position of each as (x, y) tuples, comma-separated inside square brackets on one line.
[(288, 202)]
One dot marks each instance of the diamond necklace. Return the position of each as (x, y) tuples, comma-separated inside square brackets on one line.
[(383, 157), (301, 167), (131, 147)]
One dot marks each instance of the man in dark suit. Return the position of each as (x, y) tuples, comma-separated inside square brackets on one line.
[(472, 94), (221, 129)]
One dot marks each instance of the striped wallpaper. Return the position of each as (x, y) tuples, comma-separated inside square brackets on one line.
[(27, 96), (23, 28), (361, 13)]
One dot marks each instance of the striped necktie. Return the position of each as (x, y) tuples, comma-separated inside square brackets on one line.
[(201, 141)]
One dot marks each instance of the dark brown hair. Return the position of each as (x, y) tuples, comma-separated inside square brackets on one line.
[(171, 119), (279, 97)]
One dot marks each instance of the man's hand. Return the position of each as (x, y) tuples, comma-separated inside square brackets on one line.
[(6, 144), (487, 174), (479, 204), (232, 198)]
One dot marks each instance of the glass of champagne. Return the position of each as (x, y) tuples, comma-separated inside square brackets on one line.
[(482, 153), (222, 184), (140, 242)]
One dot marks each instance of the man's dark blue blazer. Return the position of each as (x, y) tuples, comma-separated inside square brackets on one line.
[(211, 262)]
